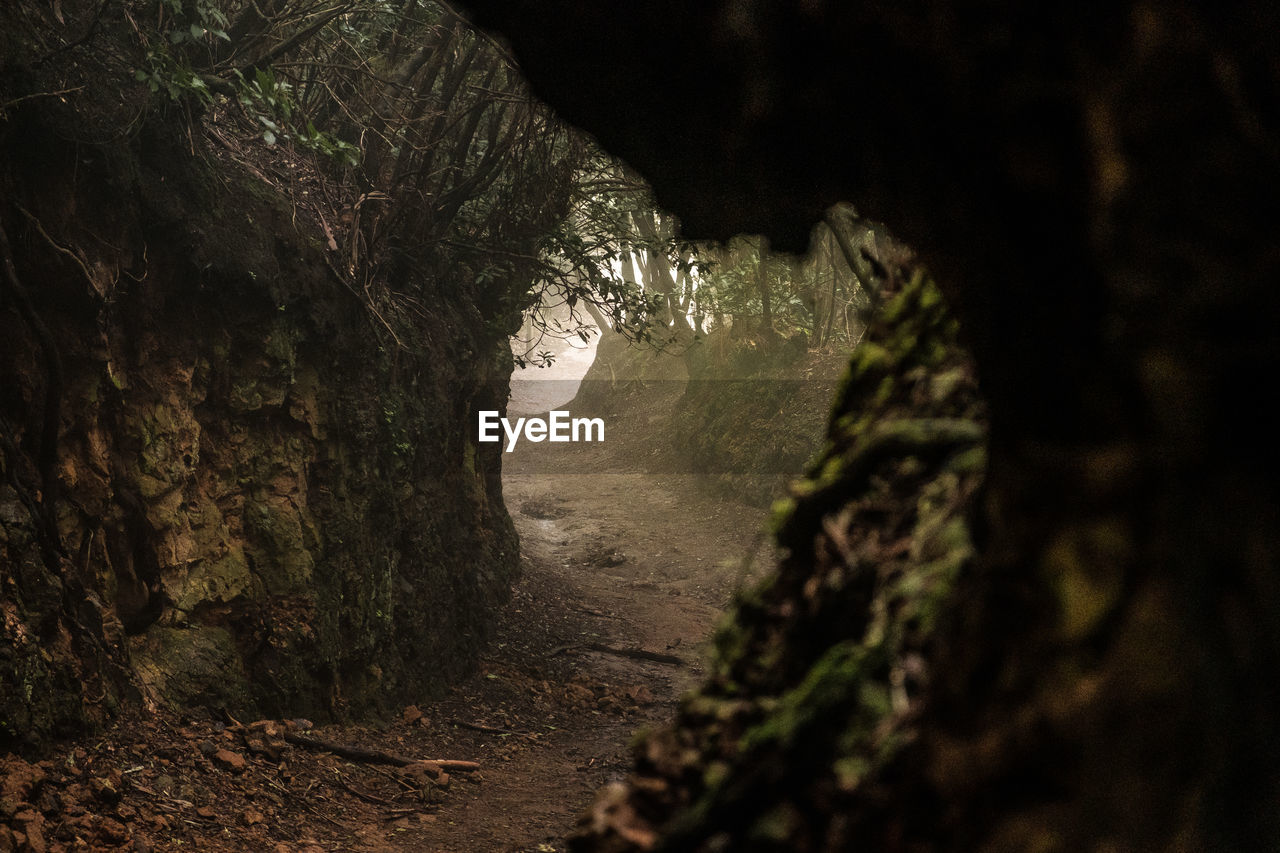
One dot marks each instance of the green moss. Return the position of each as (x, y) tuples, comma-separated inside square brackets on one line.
[(191, 666), (280, 544), (812, 662), (776, 825), (221, 579), (869, 358), (827, 685), (1086, 566)]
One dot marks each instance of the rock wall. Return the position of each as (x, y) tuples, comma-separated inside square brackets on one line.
[(262, 504)]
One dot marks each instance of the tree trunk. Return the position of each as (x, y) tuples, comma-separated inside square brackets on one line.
[(766, 302)]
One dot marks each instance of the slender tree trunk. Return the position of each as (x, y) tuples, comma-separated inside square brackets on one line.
[(766, 305)]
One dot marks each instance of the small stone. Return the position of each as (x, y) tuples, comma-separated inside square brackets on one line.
[(207, 748), (113, 830), (33, 828), (35, 841), (422, 770), (19, 780), (230, 761), (641, 695), (576, 694)]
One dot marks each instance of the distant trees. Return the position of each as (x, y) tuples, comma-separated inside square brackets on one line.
[(824, 297), (676, 291)]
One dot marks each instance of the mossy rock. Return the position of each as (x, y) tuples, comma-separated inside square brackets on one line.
[(192, 666), (821, 669)]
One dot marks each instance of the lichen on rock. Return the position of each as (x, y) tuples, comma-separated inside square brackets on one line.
[(820, 671)]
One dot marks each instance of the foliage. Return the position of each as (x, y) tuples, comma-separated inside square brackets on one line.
[(456, 172), (168, 74)]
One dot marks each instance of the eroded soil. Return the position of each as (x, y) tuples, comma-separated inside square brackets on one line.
[(641, 564)]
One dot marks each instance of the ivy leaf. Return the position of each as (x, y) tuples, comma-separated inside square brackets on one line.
[(269, 137), (197, 32)]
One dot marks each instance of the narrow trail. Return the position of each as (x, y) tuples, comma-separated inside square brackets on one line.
[(628, 561), (612, 558)]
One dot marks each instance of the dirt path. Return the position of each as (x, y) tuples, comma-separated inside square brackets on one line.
[(626, 561), (631, 561)]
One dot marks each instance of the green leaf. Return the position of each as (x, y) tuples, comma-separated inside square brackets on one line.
[(197, 32), (269, 137)]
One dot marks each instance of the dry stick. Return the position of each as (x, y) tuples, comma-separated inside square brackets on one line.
[(492, 730), (368, 798), (599, 613), (373, 756), (638, 654), (61, 249), (399, 780)]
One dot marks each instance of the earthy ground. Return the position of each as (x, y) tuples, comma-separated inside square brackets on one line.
[(637, 563)]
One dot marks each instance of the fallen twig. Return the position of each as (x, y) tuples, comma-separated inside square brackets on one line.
[(373, 756), (492, 730), (368, 798), (638, 654), (352, 753), (599, 613)]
